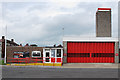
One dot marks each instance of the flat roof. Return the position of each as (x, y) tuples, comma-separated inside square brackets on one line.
[(91, 39)]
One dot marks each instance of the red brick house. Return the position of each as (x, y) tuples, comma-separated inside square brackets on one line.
[(9, 43)]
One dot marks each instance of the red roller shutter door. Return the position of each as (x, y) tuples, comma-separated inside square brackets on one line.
[(90, 52)]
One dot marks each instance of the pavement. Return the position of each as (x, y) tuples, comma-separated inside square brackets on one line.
[(57, 72), (78, 70), (90, 65), (79, 65), (74, 65)]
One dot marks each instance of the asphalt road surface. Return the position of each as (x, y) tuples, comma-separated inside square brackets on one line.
[(50, 72)]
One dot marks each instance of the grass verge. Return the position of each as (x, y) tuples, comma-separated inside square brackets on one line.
[(2, 62)]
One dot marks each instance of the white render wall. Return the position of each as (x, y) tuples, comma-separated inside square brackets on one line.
[(91, 39)]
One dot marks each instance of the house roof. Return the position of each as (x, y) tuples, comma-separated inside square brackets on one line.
[(91, 39), (8, 41), (0, 40), (54, 46)]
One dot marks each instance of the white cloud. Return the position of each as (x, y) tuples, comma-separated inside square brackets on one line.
[(49, 13), (58, 0), (42, 22), (66, 4), (1, 21)]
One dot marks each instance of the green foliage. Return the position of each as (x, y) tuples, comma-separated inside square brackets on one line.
[(2, 62)]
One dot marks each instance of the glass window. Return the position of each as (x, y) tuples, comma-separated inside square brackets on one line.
[(36, 54), (102, 55), (47, 54), (26, 54), (47, 49), (53, 53), (78, 54), (58, 52), (16, 56)]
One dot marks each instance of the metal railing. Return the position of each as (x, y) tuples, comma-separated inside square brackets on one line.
[(30, 60)]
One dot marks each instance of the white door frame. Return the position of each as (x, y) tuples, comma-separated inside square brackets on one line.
[(58, 57), (44, 55)]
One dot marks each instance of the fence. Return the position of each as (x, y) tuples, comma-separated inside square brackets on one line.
[(30, 60)]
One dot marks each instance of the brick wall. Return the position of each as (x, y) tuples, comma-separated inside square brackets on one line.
[(12, 49)]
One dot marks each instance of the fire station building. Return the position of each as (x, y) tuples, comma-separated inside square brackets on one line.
[(90, 50)]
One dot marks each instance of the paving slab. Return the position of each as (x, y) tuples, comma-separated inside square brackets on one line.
[(90, 65), (76, 65)]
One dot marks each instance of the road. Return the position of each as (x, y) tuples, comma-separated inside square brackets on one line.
[(52, 72)]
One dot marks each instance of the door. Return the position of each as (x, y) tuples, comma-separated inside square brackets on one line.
[(90, 52), (47, 57), (53, 52)]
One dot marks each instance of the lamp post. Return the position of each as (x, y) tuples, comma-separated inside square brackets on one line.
[(5, 43), (3, 21), (63, 31)]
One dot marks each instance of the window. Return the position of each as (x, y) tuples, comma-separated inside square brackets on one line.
[(47, 49), (26, 54), (36, 54), (58, 52), (78, 54), (53, 53), (16, 56), (47, 54), (21, 54), (102, 55), (18, 52)]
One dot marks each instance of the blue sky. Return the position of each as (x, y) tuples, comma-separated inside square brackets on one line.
[(42, 22)]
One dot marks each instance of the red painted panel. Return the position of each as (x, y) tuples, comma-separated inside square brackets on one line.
[(90, 47), (59, 59), (104, 8), (107, 48), (112, 48), (52, 59), (104, 47), (81, 48), (78, 60)]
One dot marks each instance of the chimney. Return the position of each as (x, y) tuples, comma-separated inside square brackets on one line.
[(27, 44), (20, 45), (12, 40), (54, 45), (3, 37)]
